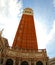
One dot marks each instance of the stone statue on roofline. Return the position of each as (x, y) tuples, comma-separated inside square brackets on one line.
[(1, 32)]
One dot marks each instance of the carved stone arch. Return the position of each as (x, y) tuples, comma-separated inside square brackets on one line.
[(24, 63), (39, 63), (9, 61)]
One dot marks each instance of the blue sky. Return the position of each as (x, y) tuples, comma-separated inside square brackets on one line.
[(44, 17)]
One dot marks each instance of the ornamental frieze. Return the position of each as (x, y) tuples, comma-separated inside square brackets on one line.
[(22, 54)]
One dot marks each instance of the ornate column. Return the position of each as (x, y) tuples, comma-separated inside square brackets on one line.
[(29, 62), (14, 62), (19, 62), (4, 61), (34, 62)]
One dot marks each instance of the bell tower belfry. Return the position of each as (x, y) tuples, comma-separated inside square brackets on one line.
[(26, 36)]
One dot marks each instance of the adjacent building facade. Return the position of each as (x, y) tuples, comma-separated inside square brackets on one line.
[(52, 61), (24, 50)]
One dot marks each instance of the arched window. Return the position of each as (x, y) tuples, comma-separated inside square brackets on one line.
[(46, 63), (24, 63), (1, 61), (9, 62), (39, 63)]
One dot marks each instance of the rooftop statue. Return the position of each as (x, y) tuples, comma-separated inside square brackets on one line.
[(1, 32)]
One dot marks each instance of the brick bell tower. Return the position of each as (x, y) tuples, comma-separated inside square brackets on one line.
[(24, 50), (25, 37), (26, 42)]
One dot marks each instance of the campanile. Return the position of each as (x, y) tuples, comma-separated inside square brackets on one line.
[(25, 37)]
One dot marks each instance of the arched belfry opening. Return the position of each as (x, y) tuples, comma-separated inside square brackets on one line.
[(24, 63), (39, 63), (9, 62)]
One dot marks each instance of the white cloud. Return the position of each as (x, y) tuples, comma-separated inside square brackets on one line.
[(52, 32), (54, 3), (9, 10), (51, 42), (15, 8), (41, 34), (4, 6), (42, 37)]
